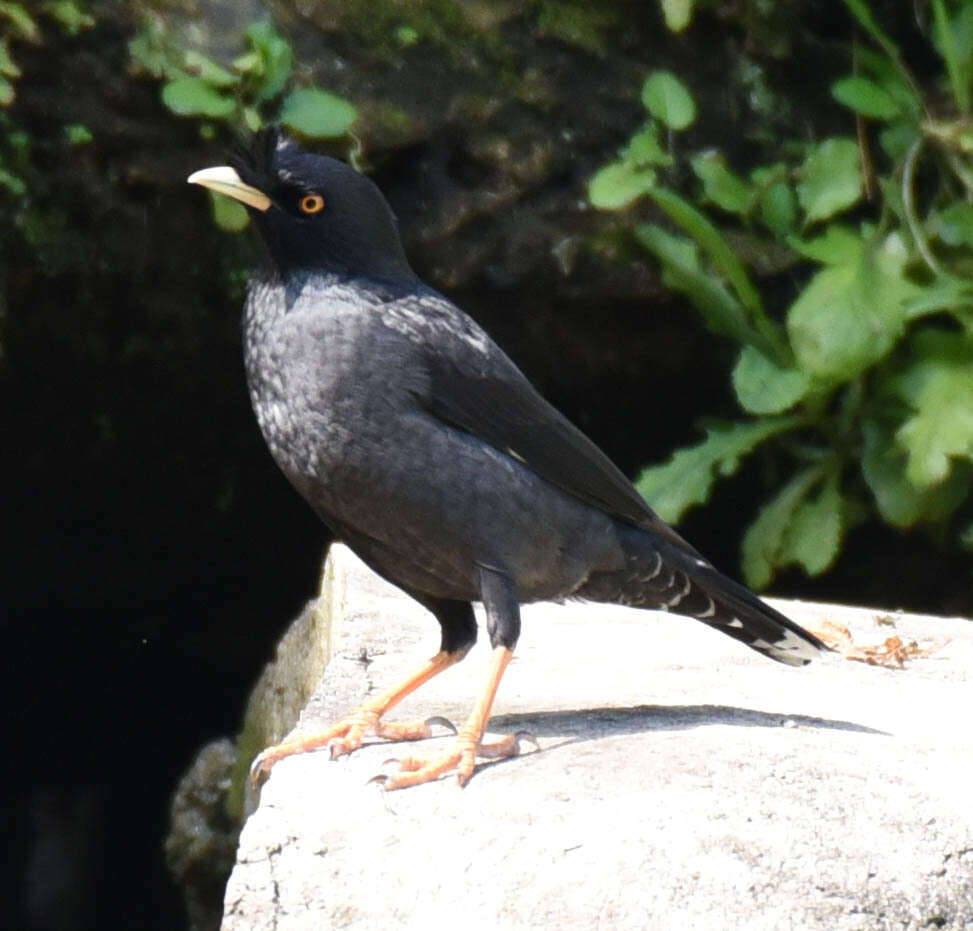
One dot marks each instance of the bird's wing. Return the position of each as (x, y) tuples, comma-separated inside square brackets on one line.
[(481, 391)]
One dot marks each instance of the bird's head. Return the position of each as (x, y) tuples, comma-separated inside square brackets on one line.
[(312, 212)]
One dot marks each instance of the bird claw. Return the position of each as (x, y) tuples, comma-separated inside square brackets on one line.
[(382, 778), (258, 768), (442, 722), (506, 746), (526, 735), (413, 770)]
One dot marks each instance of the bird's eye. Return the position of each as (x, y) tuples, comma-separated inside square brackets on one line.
[(311, 204)]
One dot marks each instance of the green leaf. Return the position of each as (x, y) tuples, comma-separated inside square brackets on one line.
[(147, 51), (77, 134), (644, 149), (213, 74), (249, 63), (709, 237), (317, 113), (763, 387), (668, 100), (70, 16), (681, 270), (765, 542), (889, 73), (406, 36), (837, 245), (687, 478), (865, 97), (830, 179), (7, 92), (619, 184), (252, 119), (899, 501), (863, 14), (943, 294), (228, 214), (12, 183), (957, 64), (21, 24), (850, 314), (8, 67), (194, 97), (897, 138), (775, 197), (956, 225), (813, 539), (722, 186), (677, 14), (939, 388), (276, 58)]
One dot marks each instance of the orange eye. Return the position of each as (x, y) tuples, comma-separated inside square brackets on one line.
[(311, 204)]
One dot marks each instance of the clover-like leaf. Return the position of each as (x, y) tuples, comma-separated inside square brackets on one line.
[(316, 113), (618, 184), (192, 96), (668, 100), (865, 97)]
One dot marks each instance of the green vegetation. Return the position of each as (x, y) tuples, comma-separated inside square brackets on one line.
[(19, 25), (863, 385), (249, 92)]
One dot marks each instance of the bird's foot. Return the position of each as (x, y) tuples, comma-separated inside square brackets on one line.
[(461, 757), (346, 736)]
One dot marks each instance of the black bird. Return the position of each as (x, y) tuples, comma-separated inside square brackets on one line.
[(425, 449)]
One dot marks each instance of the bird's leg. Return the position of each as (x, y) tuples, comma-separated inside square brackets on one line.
[(458, 625), (347, 734), (503, 623), (414, 770)]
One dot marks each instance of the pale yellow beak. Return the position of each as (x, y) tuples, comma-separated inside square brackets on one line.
[(225, 180)]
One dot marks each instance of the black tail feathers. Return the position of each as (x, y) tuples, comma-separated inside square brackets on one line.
[(662, 576)]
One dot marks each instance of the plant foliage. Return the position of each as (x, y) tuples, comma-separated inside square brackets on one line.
[(864, 382), (253, 89)]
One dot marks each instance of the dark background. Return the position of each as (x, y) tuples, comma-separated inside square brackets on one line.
[(153, 553)]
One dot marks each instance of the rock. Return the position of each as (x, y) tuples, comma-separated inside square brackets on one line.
[(681, 780), (288, 682), (213, 796), (202, 834)]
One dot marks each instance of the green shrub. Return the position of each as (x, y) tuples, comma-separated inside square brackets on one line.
[(253, 89), (864, 383)]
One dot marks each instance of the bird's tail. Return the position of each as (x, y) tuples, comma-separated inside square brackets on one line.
[(660, 574)]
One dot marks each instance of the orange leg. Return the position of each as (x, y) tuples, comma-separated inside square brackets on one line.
[(469, 741), (347, 734)]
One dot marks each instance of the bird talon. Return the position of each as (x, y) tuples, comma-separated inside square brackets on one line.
[(442, 722), (527, 736), (257, 769)]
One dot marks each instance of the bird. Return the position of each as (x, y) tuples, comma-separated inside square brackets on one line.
[(422, 446)]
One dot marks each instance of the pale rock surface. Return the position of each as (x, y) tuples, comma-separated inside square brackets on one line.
[(682, 781)]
